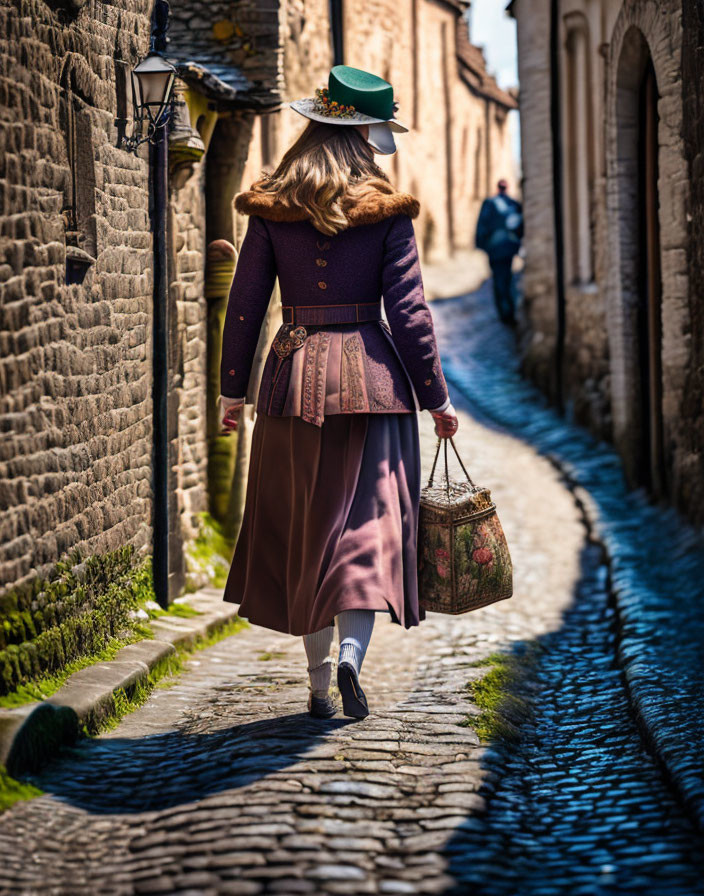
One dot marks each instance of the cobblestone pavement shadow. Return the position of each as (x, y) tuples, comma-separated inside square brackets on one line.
[(159, 771), (656, 559), (576, 802)]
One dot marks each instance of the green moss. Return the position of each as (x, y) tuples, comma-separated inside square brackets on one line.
[(222, 457), (76, 585), (12, 791), (140, 631), (34, 670), (210, 553), (504, 695), (82, 616), (181, 610), (46, 685), (270, 655), (230, 628), (222, 449)]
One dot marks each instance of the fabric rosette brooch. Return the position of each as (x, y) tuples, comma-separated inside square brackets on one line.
[(285, 343), (323, 105)]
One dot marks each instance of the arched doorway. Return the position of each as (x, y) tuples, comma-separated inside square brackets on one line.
[(639, 269)]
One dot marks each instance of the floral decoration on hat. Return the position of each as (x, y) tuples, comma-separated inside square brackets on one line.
[(323, 105)]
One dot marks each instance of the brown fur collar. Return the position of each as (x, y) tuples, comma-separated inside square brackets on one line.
[(381, 204)]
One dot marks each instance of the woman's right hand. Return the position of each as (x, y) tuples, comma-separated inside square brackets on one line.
[(446, 422)]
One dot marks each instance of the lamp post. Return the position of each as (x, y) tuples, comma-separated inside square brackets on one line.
[(152, 93), (152, 85)]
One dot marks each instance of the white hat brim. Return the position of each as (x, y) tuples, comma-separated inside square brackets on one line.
[(381, 138), (306, 107)]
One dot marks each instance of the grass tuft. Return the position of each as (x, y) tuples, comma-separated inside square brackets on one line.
[(504, 695), (12, 791), (182, 610)]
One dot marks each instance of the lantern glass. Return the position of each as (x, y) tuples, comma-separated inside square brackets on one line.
[(152, 81)]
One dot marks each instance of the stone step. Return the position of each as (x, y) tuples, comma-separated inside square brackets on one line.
[(30, 735)]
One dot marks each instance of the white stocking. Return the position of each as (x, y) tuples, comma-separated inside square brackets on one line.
[(317, 648), (355, 631)]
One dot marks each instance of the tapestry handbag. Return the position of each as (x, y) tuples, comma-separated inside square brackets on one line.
[(463, 558)]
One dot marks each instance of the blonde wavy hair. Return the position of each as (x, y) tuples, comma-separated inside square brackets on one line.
[(327, 169)]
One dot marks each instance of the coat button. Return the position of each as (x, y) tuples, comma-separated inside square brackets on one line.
[(428, 382), (320, 262), (241, 316), (324, 245), (322, 284), (232, 373)]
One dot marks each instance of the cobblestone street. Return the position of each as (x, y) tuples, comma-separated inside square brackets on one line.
[(221, 783)]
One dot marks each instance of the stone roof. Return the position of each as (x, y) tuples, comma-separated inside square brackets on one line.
[(228, 50), (474, 73)]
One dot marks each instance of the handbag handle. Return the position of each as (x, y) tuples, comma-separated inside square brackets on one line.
[(447, 472)]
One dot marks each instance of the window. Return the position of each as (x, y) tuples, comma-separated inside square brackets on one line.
[(579, 169), (79, 191)]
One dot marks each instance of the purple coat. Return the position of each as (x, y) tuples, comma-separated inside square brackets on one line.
[(375, 367)]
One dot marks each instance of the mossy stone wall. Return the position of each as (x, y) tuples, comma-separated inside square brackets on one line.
[(45, 624)]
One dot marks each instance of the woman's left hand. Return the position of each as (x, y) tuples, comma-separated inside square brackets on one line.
[(446, 423), (230, 409)]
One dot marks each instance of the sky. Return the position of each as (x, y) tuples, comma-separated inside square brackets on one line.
[(492, 29)]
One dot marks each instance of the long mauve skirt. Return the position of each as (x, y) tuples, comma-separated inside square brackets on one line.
[(330, 521)]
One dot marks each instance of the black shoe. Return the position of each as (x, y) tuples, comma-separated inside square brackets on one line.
[(321, 707), (354, 703)]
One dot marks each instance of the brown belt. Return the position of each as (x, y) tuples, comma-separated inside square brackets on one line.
[(319, 315)]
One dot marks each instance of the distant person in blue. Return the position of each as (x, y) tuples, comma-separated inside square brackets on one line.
[(499, 234)]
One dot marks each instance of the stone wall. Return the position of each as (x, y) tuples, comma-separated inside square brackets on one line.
[(645, 30), (189, 348), (692, 418), (584, 380), (75, 371), (613, 336), (539, 284), (586, 373)]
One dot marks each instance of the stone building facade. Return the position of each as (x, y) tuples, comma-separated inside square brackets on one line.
[(613, 235), (77, 251), (75, 288)]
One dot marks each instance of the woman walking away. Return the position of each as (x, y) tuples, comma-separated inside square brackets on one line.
[(330, 523)]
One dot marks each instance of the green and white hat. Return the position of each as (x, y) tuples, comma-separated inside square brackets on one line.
[(356, 97)]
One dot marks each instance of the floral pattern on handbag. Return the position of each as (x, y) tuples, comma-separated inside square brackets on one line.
[(463, 558)]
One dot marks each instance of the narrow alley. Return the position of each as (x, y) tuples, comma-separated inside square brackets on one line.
[(221, 783)]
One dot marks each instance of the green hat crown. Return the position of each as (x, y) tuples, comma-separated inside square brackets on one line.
[(368, 93)]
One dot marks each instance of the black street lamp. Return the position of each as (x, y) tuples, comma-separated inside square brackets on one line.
[(152, 85)]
